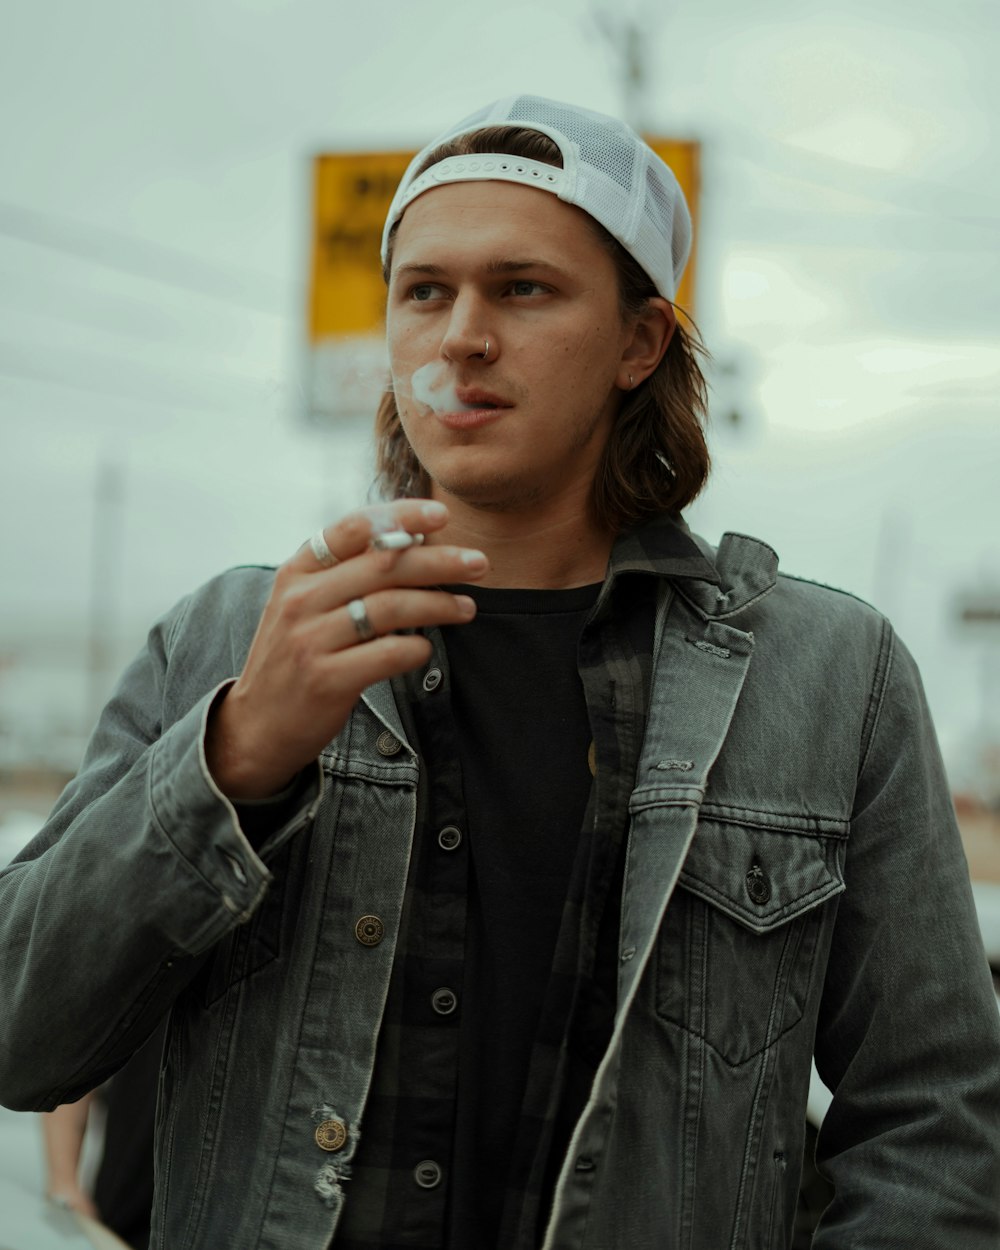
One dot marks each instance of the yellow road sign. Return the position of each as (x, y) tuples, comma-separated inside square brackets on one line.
[(683, 158), (352, 193)]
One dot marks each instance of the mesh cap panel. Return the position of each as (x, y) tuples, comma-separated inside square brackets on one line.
[(608, 171)]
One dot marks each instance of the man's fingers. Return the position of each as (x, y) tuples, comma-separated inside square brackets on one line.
[(370, 575), (353, 535), (380, 614), (360, 667), (389, 611)]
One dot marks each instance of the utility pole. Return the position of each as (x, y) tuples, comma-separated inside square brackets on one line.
[(107, 542), (634, 75), (628, 35)]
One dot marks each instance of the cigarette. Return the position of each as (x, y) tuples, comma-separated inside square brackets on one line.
[(396, 540)]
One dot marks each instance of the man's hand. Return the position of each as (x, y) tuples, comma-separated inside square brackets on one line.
[(308, 664)]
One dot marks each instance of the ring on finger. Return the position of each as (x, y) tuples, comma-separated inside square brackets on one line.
[(321, 550), (358, 613)]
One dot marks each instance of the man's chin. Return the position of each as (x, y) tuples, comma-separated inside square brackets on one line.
[(490, 492)]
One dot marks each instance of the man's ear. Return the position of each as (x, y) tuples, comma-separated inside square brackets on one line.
[(651, 334)]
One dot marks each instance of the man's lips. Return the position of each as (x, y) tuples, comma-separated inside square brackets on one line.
[(475, 397), (470, 418), (479, 408)]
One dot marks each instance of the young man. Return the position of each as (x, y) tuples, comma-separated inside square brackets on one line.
[(502, 885)]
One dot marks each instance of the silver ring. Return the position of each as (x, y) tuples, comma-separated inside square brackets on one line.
[(358, 613), (486, 354), (318, 546)]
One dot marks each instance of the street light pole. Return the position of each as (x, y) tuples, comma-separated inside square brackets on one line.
[(628, 35), (107, 542)]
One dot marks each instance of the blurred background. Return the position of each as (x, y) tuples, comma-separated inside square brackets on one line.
[(155, 236), (155, 241), (156, 224)]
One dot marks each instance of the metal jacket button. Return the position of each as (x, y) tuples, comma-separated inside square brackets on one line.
[(758, 885), (388, 744), (432, 679), (369, 930), (331, 1135)]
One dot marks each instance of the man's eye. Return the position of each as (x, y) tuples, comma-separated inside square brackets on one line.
[(424, 292), (523, 286)]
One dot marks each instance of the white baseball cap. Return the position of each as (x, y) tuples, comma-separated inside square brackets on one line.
[(608, 171)]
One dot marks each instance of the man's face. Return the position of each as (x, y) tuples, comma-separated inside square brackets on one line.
[(514, 265)]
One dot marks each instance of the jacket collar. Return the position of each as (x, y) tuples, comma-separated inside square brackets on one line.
[(718, 583)]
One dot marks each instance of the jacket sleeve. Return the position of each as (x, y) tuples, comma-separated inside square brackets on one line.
[(107, 914), (909, 1035)]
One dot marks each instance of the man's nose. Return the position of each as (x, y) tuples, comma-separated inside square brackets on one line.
[(467, 331)]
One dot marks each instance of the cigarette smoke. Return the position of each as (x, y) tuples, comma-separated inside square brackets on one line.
[(432, 386), (382, 520)]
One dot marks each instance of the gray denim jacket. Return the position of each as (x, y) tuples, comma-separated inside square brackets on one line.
[(794, 884)]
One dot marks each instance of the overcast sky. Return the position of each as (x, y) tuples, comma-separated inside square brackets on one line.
[(153, 232)]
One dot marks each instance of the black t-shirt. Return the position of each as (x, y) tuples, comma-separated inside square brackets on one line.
[(523, 739)]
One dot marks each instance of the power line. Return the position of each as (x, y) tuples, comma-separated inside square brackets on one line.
[(891, 232), (904, 192), (141, 258), (135, 319), (118, 377)]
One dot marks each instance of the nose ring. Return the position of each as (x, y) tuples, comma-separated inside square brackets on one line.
[(486, 349)]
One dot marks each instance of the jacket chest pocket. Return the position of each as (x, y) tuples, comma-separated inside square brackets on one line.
[(737, 949)]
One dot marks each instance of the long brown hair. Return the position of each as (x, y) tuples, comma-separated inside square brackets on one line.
[(656, 458)]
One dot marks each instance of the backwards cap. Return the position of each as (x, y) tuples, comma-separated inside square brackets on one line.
[(608, 171)]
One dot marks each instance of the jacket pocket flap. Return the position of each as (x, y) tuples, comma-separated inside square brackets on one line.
[(761, 877)]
